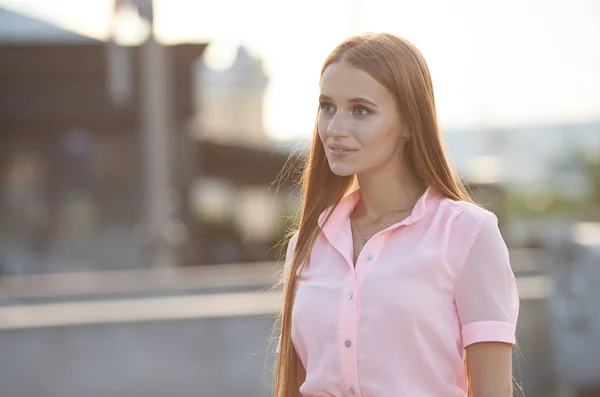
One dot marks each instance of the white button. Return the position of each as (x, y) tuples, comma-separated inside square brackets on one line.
[(350, 295), (351, 391), (347, 343), (369, 256)]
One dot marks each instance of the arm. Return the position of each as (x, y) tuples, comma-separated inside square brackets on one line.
[(490, 369), (488, 306)]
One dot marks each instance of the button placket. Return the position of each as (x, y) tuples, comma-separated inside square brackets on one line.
[(366, 260), (347, 333)]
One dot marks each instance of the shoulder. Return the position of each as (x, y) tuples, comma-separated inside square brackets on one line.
[(468, 220), (475, 237), (294, 239), (291, 246), (469, 214)]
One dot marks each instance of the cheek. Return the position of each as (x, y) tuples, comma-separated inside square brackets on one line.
[(322, 126), (378, 137)]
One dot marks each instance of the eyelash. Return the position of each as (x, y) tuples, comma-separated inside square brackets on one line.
[(325, 105)]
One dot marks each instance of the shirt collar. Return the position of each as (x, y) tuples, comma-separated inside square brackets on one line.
[(340, 213)]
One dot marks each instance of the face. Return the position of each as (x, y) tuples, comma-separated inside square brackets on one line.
[(358, 123)]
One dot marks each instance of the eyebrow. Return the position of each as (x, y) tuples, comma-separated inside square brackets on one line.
[(353, 100)]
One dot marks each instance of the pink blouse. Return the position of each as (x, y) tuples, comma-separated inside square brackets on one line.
[(422, 290)]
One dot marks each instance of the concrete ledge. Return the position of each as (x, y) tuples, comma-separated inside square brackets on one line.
[(147, 280)]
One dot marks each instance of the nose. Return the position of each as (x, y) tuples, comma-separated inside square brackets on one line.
[(336, 127)]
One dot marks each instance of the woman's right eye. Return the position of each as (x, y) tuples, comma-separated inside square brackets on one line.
[(326, 107)]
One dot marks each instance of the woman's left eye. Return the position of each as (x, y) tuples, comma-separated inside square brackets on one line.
[(361, 111)]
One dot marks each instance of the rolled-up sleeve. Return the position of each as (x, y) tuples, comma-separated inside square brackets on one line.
[(486, 293)]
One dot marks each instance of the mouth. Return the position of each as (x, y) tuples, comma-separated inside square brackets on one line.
[(338, 149), (341, 150)]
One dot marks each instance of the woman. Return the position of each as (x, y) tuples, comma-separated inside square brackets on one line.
[(394, 278)]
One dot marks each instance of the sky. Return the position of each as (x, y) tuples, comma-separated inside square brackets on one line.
[(494, 63)]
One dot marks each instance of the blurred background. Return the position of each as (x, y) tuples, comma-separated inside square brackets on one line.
[(139, 146)]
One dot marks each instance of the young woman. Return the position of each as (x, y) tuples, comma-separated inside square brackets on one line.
[(394, 279)]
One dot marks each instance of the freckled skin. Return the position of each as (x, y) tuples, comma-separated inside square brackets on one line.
[(375, 132)]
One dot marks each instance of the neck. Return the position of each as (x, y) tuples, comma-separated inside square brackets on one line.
[(382, 193)]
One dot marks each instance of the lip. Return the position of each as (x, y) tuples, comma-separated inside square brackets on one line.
[(336, 148)]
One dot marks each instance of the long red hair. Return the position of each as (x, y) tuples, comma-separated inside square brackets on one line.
[(401, 68)]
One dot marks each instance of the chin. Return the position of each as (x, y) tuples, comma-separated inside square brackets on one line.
[(342, 170)]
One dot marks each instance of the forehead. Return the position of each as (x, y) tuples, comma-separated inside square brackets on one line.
[(342, 80)]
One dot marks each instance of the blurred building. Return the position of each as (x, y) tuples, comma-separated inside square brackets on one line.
[(239, 215), (70, 160), (232, 101)]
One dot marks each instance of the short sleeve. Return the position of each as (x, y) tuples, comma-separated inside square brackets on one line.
[(486, 292), (288, 260)]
